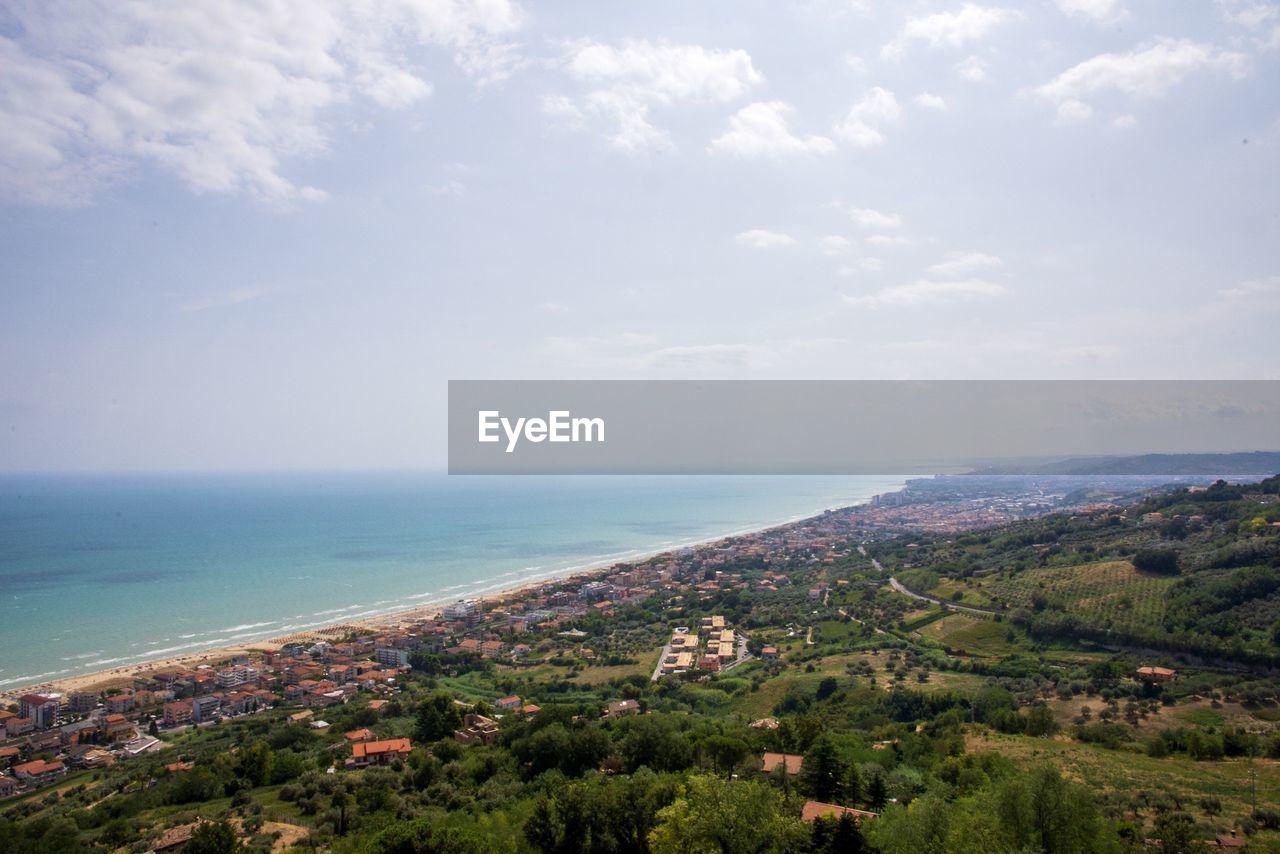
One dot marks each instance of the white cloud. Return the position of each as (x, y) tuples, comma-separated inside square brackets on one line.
[(967, 24), (225, 299), (1098, 11), (863, 125), (886, 240), (868, 218), (1253, 289), (972, 68), (759, 238), (963, 263), (625, 82), (925, 292), (1128, 120), (1072, 111), (927, 101), (219, 94), (760, 130), (1148, 71), (862, 265), (834, 244)]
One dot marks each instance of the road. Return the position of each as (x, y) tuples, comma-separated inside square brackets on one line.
[(975, 609)]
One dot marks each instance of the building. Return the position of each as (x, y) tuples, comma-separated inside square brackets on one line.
[(177, 713), (205, 708), (82, 702), (41, 709), (622, 707), (460, 610), (813, 810), (476, 728), (38, 772), (770, 762), (365, 753), (1157, 674), (389, 656), (512, 702), (358, 735), (118, 728)]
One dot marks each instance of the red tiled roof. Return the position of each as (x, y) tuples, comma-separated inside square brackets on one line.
[(773, 760), (374, 748), (815, 809)]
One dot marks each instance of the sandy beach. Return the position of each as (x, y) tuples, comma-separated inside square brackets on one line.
[(115, 677)]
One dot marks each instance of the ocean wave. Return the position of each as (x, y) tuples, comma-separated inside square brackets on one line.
[(82, 655), (243, 628)]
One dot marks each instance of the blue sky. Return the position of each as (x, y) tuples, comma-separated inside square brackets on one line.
[(264, 235)]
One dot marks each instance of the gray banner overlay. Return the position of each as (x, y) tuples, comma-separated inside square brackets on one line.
[(840, 427)]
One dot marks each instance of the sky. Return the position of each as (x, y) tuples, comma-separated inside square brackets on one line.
[(264, 235)]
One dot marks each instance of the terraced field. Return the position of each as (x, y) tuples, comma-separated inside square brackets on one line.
[(1106, 593)]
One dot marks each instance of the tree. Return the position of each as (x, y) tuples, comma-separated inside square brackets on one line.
[(1177, 834), (437, 718), (853, 784), (740, 817), (822, 770), (1158, 561), (877, 792), (212, 837), (1040, 720)]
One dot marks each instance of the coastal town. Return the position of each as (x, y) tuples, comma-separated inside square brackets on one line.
[(45, 734)]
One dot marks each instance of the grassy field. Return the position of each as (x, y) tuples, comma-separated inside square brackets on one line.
[(1106, 593), (971, 634), (1121, 771)]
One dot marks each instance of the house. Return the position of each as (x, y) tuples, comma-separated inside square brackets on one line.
[(1157, 674), (528, 710), (179, 767), (622, 707), (82, 702), (7, 755), (376, 705), (357, 735), (813, 810), (769, 653), (8, 786), (18, 726), (512, 702), (176, 837), (476, 728), (390, 656), (772, 761), (305, 715), (364, 753), (38, 772)]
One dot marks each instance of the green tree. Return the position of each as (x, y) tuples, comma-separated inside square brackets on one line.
[(822, 770), (714, 815), (437, 717), (212, 837)]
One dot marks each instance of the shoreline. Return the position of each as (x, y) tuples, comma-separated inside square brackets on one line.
[(99, 680)]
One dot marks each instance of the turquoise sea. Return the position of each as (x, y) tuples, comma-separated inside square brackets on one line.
[(102, 571)]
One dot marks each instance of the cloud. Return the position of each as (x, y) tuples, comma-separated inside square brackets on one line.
[(927, 101), (868, 218), (225, 299), (1098, 11), (759, 238), (1072, 112), (625, 82), (219, 94), (967, 24), (862, 127), (972, 68), (1148, 71), (963, 263), (760, 130), (834, 244), (1126, 121), (886, 240), (926, 292), (1253, 289), (862, 265)]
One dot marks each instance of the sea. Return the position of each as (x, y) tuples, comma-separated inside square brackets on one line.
[(104, 571)]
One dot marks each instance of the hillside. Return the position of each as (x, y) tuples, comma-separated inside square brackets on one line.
[(1209, 465), (1028, 729)]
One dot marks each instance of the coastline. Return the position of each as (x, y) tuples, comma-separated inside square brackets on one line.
[(104, 679)]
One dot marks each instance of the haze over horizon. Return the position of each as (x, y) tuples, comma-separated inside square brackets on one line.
[(264, 237)]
